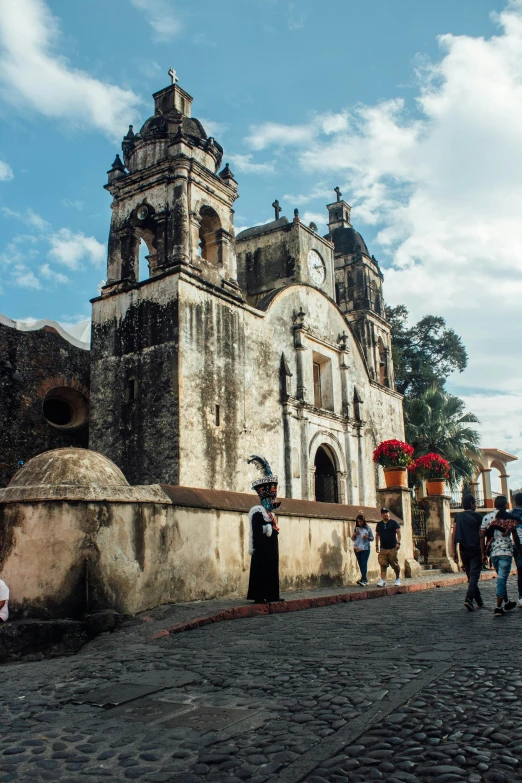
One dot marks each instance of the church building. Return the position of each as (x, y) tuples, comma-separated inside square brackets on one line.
[(274, 341)]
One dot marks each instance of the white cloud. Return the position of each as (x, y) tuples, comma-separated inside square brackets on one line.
[(274, 133), (443, 186), (71, 249), (51, 275), (6, 172), (319, 218), (33, 75), (30, 218), (319, 191), (72, 204), (212, 127), (25, 277), (245, 165), (161, 16), (296, 19)]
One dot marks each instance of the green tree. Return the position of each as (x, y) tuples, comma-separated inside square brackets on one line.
[(425, 353), (436, 421)]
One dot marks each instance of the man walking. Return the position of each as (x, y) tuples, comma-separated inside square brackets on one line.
[(466, 533), (387, 545), (517, 537), (497, 537)]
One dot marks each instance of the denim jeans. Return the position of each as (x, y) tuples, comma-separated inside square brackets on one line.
[(518, 561), (502, 565), (362, 559), (472, 564)]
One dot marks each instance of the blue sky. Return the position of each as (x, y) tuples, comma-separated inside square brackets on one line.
[(413, 108)]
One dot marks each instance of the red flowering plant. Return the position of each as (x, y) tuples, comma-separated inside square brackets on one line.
[(432, 466), (393, 454)]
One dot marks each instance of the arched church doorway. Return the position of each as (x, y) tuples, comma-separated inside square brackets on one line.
[(326, 490)]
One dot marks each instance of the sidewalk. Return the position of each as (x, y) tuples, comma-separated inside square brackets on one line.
[(177, 618)]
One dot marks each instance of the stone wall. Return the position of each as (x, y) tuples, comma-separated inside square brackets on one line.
[(32, 364), (134, 390), (60, 556)]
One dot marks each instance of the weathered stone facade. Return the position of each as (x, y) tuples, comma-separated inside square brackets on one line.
[(75, 536), (44, 392), (273, 342)]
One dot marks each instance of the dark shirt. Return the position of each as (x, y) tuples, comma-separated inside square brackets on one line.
[(387, 532), (467, 530)]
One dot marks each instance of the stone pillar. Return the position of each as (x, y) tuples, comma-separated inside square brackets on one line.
[(488, 496), (195, 225), (129, 244), (341, 486), (361, 463), (438, 531), (114, 251), (299, 326), (307, 489), (398, 500), (179, 232), (350, 494), (228, 255), (504, 486), (311, 482), (287, 435)]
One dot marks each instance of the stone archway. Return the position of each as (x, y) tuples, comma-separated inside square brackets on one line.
[(330, 447), (326, 484)]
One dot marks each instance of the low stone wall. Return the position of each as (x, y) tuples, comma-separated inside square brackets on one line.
[(62, 557)]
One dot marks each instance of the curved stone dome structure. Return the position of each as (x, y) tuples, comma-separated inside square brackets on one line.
[(69, 467), (75, 474)]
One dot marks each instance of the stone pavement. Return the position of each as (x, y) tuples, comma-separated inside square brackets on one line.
[(406, 689)]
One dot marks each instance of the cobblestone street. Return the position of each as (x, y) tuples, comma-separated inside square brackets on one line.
[(403, 689)]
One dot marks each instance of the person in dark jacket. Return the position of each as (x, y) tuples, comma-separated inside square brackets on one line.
[(466, 533)]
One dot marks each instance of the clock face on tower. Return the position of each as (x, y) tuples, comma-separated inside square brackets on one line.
[(316, 267)]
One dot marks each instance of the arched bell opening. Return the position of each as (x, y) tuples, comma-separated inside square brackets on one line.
[(146, 263), (210, 236), (326, 484)]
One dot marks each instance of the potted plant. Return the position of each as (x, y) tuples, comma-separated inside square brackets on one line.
[(436, 470), (395, 457)]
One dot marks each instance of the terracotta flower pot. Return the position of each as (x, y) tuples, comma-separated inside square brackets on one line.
[(396, 477), (436, 486)]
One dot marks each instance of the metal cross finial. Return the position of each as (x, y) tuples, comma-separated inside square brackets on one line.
[(339, 194), (277, 209), (172, 74)]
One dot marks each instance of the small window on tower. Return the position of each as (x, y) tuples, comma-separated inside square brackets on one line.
[(318, 400), (131, 390), (218, 416)]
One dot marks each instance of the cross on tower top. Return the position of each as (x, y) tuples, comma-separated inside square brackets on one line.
[(339, 194), (172, 74), (277, 209)]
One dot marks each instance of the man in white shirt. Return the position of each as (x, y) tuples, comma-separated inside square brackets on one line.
[(4, 601)]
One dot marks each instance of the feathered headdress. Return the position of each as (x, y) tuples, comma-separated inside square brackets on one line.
[(265, 471)]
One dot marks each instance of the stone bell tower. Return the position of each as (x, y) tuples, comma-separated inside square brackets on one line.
[(358, 290), (168, 194)]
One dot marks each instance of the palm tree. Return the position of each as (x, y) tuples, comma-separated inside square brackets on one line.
[(436, 421)]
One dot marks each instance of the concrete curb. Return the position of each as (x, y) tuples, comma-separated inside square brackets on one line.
[(299, 604)]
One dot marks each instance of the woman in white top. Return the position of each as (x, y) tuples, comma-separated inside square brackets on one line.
[(362, 538)]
